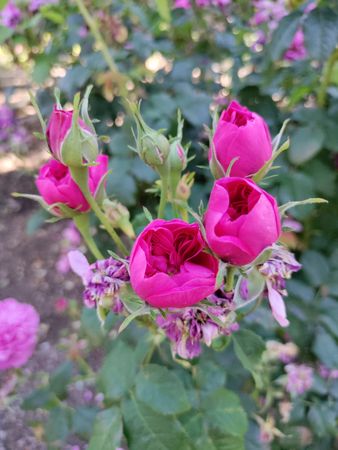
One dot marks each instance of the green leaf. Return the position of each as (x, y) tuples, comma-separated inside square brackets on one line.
[(323, 24), (58, 424), (148, 430), (326, 349), (40, 398), (209, 376), (52, 14), (107, 431), (164, 9), (283, 35), (224, 413), (249, 348), (5, 33), (118, 372), (36, 220), (139, 312), (256, 283), (308, 201), (322, 418), (162, 390), (91, 327), (306, 142), (83, 420), (60, 378), (316, 267)]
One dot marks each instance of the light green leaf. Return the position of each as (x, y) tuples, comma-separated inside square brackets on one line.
[(107, 432), (256, 283), (162, 390), (164, 9), (308, 201)]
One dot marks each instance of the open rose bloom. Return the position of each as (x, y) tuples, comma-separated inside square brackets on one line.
[(169, 265)]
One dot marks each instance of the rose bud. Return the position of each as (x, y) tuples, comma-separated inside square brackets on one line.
[(241, 134), (56, 185), (151, 145), (169, 265), (241, 220), (19, 325), (119, 216), (72, 144)]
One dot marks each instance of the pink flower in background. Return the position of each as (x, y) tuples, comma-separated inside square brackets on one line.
[(56, 185), (182, 4), (59, 125), (297, 50), (35, 5), (10, 15), (299, 378), (169, 266), (241, 220), (71, 240), (19, 323), (241, 134), (103, 280), (278, 268), (328, 374), (60, 305)]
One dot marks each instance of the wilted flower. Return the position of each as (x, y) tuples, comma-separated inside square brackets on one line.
[(277, 269), (299, 378), (189, 327), (103, 280), (284, 352), (328, 374), (19, 324), (297, 49), (285, 409), (267, 429), (11, 15)]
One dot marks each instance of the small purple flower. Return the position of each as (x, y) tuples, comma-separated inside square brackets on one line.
[(187, 328), (182, 4), (276, 270), (328, 374), (11, 15), (299, 378), (103, 280)]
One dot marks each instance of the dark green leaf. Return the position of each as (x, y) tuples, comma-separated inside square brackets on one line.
[(40, 398), (83, 420), (224, 413), (118, 372), (323, 24), (322, 418), (249, 348), (283, 35), (326, 349), (60, 378), (209, 376), (315, 267), (107, 432), (162, 390), (306, 142), (58, 424), (149, 430)]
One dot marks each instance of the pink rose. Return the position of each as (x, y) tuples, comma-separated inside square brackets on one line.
[(169, 267), (241, 220), (243, 134), (56, 185), (19, 324), (58, 129)]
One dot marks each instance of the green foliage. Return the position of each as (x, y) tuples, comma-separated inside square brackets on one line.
[(107, 431)]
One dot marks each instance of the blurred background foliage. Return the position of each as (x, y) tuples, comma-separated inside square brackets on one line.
[(196, 60)]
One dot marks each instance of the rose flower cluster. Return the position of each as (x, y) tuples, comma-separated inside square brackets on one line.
[(189, 277)]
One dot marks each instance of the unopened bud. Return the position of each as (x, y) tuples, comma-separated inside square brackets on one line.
[(183, 190), (118, 216)]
